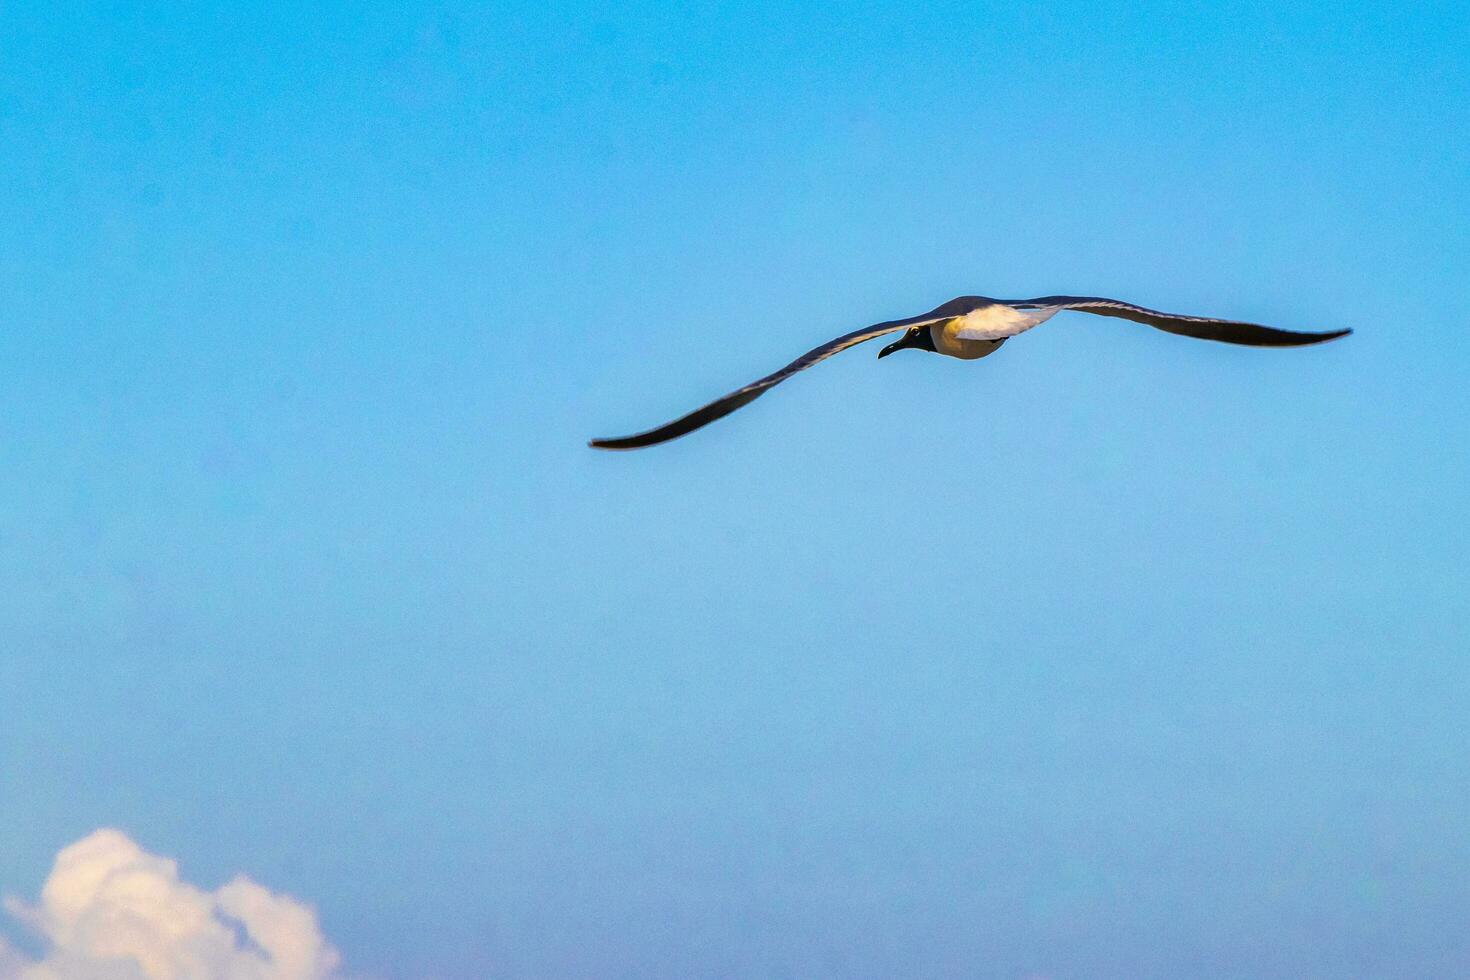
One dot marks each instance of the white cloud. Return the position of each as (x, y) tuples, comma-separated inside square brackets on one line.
[(112, 911)]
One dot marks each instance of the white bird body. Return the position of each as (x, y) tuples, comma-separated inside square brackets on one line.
[(980, 331), (995, 321)]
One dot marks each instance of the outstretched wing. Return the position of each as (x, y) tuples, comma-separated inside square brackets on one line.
[(1202, 327), (721, 407)]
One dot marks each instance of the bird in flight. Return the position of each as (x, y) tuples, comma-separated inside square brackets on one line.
[(971, 327)]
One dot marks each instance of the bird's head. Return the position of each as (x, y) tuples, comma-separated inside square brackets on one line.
[(917, 337)]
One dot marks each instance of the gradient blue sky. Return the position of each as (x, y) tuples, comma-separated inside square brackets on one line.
[(1113, 655)]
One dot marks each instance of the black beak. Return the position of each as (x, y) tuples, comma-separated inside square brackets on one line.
[(907, 340)]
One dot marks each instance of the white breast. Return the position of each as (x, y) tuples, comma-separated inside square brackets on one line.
[(998, 321)]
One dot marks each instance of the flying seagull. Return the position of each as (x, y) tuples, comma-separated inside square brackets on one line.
[(970, 327)]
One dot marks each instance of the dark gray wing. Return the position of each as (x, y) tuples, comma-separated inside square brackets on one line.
[(1202, 327), (721, 407)]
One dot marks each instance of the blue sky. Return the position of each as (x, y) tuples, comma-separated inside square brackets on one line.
[(1115, 654)]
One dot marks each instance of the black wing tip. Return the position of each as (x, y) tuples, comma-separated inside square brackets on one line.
[(640, 441), (1321, 338), (613, 445), (1255, 335)]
